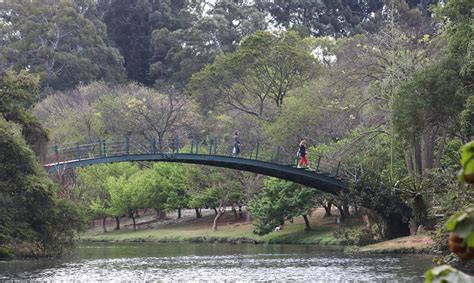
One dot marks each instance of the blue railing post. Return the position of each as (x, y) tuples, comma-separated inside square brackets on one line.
[(256, 153), (192, 146), (176, 145), (105, 148), (101, 153), (197, 147), (215, 146), (152, 145), (126, 146), (337, 169), (78, 151), (277, 154), (317, 166), (56, 152), (210, 147)]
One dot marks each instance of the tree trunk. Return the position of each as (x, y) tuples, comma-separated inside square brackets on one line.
[(104, 227), (327, 208), (408, 160), (134, 223), (345, 208), (215, 211), (220, 212), (160, 214), (417, 158), (440, 152), (235, 212), (342, 216), (198, 213), (179, 213), (117, 223), (306, 222)]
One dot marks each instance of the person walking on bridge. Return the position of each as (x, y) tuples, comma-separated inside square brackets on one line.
[(303, 162), (236, 149)]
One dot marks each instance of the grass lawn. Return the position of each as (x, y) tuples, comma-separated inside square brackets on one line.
[(229, 230)]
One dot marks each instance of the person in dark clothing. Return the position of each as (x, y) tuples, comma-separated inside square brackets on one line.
[(303, 162), (236, 149)]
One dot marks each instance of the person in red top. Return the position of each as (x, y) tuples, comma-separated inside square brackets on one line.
[(303, 162)]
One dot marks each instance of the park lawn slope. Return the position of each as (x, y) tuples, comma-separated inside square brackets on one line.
[(229, 230)]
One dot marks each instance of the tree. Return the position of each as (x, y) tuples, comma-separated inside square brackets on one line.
[(458, 16), (18, 92), (62, 43), (145, 114), (221, 190), (35, 221), (128, 25), (336, 18), (280, 201), (373, 192), (429, 104), (467, 118), (72, 116), (180, 52), (166, 187), (263, 69), (127, 195), (96, 195), (100, 111)]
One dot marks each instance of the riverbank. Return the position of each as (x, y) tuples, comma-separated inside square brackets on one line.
[(410, 244), (230, 230)]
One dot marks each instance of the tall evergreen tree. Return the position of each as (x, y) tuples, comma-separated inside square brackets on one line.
[(64, 41)]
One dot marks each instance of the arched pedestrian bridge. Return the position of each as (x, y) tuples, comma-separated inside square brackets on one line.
[(324, 176)]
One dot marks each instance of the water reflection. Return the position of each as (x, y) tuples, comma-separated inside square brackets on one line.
[(171, 262)]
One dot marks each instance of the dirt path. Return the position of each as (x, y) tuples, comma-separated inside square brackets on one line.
[(417, 243)]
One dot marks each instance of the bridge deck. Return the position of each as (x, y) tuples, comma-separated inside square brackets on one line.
[(259, 158), (305, 177)]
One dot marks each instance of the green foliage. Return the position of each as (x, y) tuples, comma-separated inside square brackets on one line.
[(467, 162), (61, 43), (419, 210), (374, 192), (429, 99), (128, 26), (359, 236), (462, 223), (317, 18), (127, 195), (5, 253), (94, 189), (444, 274), (278, 201), (467, 118), (180, 52), (449, 196), (32, 214), (165, 186), (461, 226), (18, 92), (257, 77), (459, 30)]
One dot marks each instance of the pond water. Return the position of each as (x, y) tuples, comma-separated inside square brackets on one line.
[(217, 262)]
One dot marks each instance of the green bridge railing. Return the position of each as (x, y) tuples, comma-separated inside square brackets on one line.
[(64, 153)]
